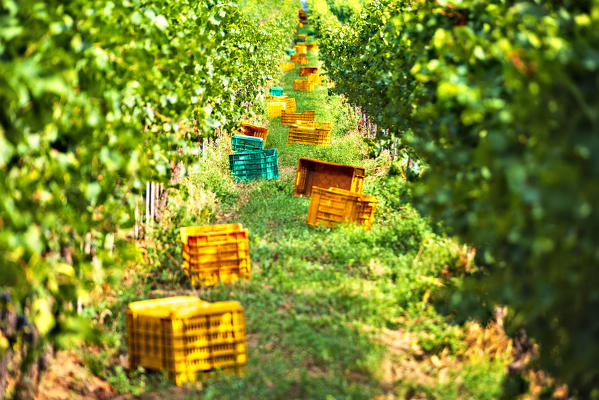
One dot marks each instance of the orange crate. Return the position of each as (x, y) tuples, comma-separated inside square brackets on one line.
[(307, 71), (185, 335), (312, 46), (299, 59), (332, 206), (300, 84), (215, 253), (289, 118), (315, 133), (252, 130), (311, 172)]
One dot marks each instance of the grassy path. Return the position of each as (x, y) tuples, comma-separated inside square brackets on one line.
[(341, 313), (301, 303)]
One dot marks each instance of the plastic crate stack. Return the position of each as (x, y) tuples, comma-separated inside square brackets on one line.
[(279, 104), (312, 79), (291, 118), (252, 130), (335, 192), (215, 253), (302, 15), (185, 335), (250, 160), (300, 49), (313, 133), (299, 59), (302, 126), (311, 74)]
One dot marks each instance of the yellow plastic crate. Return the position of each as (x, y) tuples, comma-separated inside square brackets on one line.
[(299, 59), (314, 78), (300, 25), (215, 253), (300, 84), (300, 49), (289, 118), (287, 66), (305, 37), (332, 206), (274, 109), (315, 133), (312, 46), (320, 126), (290, 105), (185, 335)]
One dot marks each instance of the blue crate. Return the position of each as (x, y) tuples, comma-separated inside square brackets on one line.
[(276, 91), (290, 51)]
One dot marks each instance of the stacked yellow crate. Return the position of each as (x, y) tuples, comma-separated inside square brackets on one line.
[(215, 253), (300, 49), (287, 66), (278, 104), (275, 108), (306, 85), (299, 59), (315, 133), (312, 79), (290, 118)]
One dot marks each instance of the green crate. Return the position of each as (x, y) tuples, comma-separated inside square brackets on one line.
[(245, 143), (255, 164)]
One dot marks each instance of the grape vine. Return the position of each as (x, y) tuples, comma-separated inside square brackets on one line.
[(501, 100), (96, 97)]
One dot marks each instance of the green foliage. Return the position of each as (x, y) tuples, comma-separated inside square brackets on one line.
[(501, 100), (95, 98), (345, 9)]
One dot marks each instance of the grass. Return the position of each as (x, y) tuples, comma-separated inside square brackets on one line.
[(330, 313)]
